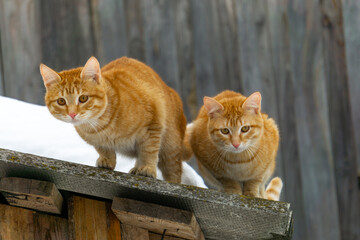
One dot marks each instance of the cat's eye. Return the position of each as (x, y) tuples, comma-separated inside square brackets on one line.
[(244, 129), (61, 101), (224, 131), (83, 98)]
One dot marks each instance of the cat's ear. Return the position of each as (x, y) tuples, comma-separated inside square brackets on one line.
[(49, 76), (91, 70), (212, 106), (253, 102)]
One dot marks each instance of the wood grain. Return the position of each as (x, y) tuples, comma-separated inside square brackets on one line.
[(50, 227), (16, 223), (341, 125), (129, 232), (155, 236), (156, 218), (312, 126), (33, 194), (91, 219)]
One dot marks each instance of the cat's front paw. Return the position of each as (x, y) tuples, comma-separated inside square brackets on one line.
[(144, 171), (106, 163), (251, 194)]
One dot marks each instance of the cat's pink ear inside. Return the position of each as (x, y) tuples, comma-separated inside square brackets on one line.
[(253, 102), (91, 70), (49, 76), (212, 106)]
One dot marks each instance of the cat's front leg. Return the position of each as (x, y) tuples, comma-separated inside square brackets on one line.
[(252, 187), (230, 185), (148, 147), (107, 158)]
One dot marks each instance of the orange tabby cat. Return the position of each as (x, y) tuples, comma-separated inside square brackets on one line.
[(236, 145), (123, 107)]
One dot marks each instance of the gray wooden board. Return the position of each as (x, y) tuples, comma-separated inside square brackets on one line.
[(160, 42), (67, 38), (312, 126), (285, 92), (341, 125), (185, 56), (20, 46), (134, 29), (351, 16), (205, 79), (220, 215), (108, 18), (2, 92)]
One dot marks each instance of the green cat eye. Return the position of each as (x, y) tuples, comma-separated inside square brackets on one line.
[(83, 98), (61, 101), (245, 129), (224, 131)]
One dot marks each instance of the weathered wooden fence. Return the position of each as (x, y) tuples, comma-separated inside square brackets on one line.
[(303, 55)]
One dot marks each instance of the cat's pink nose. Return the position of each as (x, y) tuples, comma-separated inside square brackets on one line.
[(236, 145), (72, 115)]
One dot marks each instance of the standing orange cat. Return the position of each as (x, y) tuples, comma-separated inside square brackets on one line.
[(235, 145), (123, 107)]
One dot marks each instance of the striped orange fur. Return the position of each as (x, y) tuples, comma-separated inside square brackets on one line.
[(235, 145), (123, 107)]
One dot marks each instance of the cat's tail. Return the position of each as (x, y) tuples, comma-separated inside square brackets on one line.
[(187, 151), (273, 190)]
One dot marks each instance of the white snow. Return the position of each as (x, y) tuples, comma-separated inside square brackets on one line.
[(30, 128)]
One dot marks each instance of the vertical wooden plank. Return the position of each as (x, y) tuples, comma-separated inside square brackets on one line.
[(286, 92), (16, 223), (129, 232), (185, 56), (205, 79), (108, 19), (67, 39), (341, 125), (2, 92), (315, 152), (160, 45), (21, 53), (255, 51), (135, 29), (227, 46), (351, 16), (50, 227), (91, 219)]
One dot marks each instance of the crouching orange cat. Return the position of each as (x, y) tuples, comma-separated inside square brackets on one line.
[(235, 145), (123, 107)]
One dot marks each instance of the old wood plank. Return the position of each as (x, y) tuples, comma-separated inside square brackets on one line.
[(33, 194), (205, 79), (91, 219), (156, 218), (341, 125), (286, 93), (16, 223), (21, 51), (50, 227), (155, 236), (67, 38), (129, 232), (312, 125), (109, 28), (135, 29), (351, 16), (185, 56), (160, 45), (2, 91)]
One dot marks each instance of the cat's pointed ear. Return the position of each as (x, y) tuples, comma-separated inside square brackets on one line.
[(91, 70), (49, 76), (253, 102), (212, 106)]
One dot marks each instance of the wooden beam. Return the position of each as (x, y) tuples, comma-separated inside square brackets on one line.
[(156, 218), (155, 236), (92, 219), (33, 194), (129, 232)]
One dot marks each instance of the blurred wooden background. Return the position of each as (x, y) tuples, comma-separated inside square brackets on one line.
[(302, 55)]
